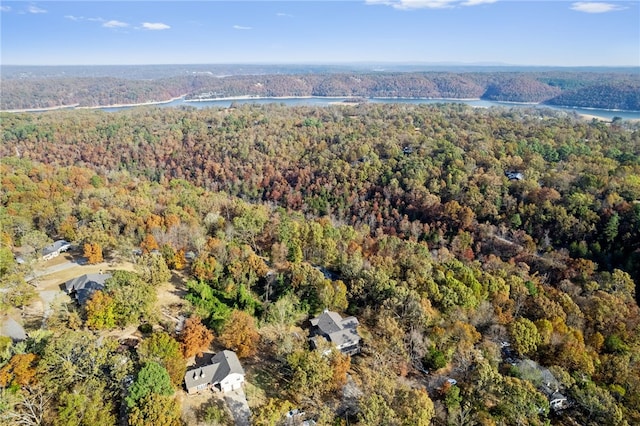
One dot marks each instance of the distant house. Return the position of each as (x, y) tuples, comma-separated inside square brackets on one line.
[(548, 384), (224, 374), (512, 175), (341, 332), (558, 401), (55, 249), (83, 287)]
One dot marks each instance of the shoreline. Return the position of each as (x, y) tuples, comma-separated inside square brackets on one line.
[(132, 105), (77, 106), (251, 97), (333, 101), (41, 109)]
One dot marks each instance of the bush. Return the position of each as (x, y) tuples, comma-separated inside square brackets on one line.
[(145, 328), (435, 359)]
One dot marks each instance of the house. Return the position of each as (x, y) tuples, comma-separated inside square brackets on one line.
[(341, 332), (511, 175), (55, 249), (224, 374), (558, 401), (83, 287), (297, 418), (546, 383)]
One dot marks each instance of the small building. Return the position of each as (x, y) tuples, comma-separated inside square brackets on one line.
[(55, 249), (340, 332), (558, 401), (224, 374), (513, 175), (546, 383), (83, 287)]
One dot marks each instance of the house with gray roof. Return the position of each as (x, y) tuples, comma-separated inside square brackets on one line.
[(224, 374), (341, 332), (546, 383), (55, 249), (83, 287)]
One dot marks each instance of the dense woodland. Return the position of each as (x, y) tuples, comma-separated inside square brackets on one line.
[(401, 215), (612, 90)]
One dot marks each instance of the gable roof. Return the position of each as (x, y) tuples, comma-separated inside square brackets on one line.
[(86, 281), (200, 376), (60, 244), (84, 286), (228, 363), (222, 365), (339, 331), (328, 322)]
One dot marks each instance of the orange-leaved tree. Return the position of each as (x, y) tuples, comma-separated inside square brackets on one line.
[(20, 370), (195, 337), (93, 253), (239, 334)]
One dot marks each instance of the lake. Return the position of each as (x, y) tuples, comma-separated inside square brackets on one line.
[(325, 101)]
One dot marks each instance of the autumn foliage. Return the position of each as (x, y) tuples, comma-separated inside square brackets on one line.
[(240, 335), (93, 253), (21, 370), (195, 337)]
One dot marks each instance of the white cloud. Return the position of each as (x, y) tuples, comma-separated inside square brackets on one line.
[(35, 9), (285, 15), (427, 4), (5, 8), (115, 24), (240, 27), (83, 18), (595, 7), (477, 2), (155, 26)]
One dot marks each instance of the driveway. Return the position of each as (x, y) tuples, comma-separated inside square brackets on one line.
[(237, 402), (40, 273)]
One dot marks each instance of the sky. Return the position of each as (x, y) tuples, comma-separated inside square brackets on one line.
[(515, 32)]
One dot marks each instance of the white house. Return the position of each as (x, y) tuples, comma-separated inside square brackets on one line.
[(55, 249), (224, 374)]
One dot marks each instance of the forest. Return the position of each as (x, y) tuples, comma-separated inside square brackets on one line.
[(488, 254), (605, 90)]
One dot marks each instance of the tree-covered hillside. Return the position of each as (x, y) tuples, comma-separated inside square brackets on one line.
[(476, 287), (580, 89)]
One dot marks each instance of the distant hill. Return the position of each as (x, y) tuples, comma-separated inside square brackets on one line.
[(46, 87)]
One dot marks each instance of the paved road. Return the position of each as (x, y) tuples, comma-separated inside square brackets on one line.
[(237, 402)]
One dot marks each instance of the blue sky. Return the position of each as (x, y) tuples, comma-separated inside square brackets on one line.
[(540, 32)]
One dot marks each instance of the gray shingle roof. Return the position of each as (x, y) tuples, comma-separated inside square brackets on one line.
[(55, 247), (85, 280), (339, 331), (222, 365), (84, 286)]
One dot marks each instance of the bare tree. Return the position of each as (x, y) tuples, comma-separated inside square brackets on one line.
[(27, 409)]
